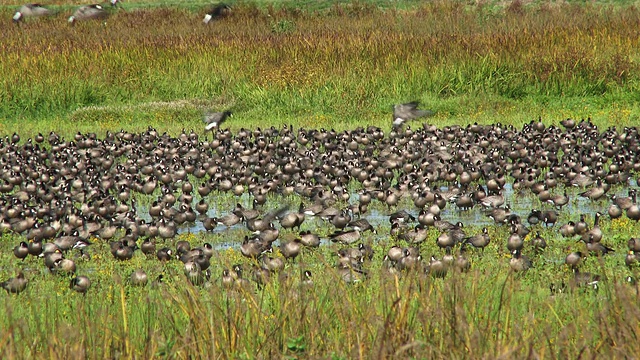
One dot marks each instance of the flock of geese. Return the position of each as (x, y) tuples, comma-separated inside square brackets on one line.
[(62, 195), (100, 12)]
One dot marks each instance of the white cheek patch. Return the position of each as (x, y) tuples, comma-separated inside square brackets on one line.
[(17, 16), (398, 121), (207, 18), (211, 126), (71, 19)]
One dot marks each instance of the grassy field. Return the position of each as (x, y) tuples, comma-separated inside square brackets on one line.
[(334, 65), (488, 312), (337, 68)]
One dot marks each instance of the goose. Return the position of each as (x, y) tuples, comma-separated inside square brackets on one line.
[(272, 264), (253, 248), (461, 263), (351, 275), (247, 213), (345, 237), (634, 244), (138, 278), (581, 279), (395, 253), (16, 284), (595, 233), (408, 111), (213, 120), (88, 12), (21, 251), (194, 273), (410, 260), (80, 284), (415, 236), (568, 229), (539, 243), (164, 254), (479, 241), (291, 249), (148, 247), (64, 266), (573, 259), (309, 239), (217, 12), (31, 10), (597, 247), (631, 259), (306, 279), (519, 262), (437, 268), (559, 200), (51, 258), (35, 247)]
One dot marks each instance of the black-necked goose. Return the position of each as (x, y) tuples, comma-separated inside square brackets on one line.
[(217, 12), (88, 12), (31, 11), (408, 111)]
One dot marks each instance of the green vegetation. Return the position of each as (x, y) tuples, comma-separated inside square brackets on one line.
[(338, 67), (334, 65), (489, 312)]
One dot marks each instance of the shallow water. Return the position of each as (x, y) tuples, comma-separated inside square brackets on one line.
[(378, 216)]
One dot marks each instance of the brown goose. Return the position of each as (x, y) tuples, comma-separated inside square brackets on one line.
[(15, 285), (634, 244), (479, 241), (213, 120), (395, 253), (582, 279), (31, 11), (217, 12), (291, 249), (272, 264), (408, 111), (80, 284), (519, 262), (138, 278), (21, 251), (595, 233), (415, 236), (89, 12), (253, 248), (307, 238), (461, 263), (437, 268), (597, 247), (347, 237)]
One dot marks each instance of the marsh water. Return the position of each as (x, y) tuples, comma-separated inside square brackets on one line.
[(378, 215)]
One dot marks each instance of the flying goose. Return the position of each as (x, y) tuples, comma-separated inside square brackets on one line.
[(88, 12), (31, 10), (215, 119), (217, 12), (409, 111)]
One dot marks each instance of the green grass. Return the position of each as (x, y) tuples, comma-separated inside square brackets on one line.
[(334, 65), (489, 312), (340, 67)]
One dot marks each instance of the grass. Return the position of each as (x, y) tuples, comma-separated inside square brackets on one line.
[(334, 65), (339, 67), (489, 312)]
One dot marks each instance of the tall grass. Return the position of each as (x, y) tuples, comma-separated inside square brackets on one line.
[(337, 67), (489, 312)]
